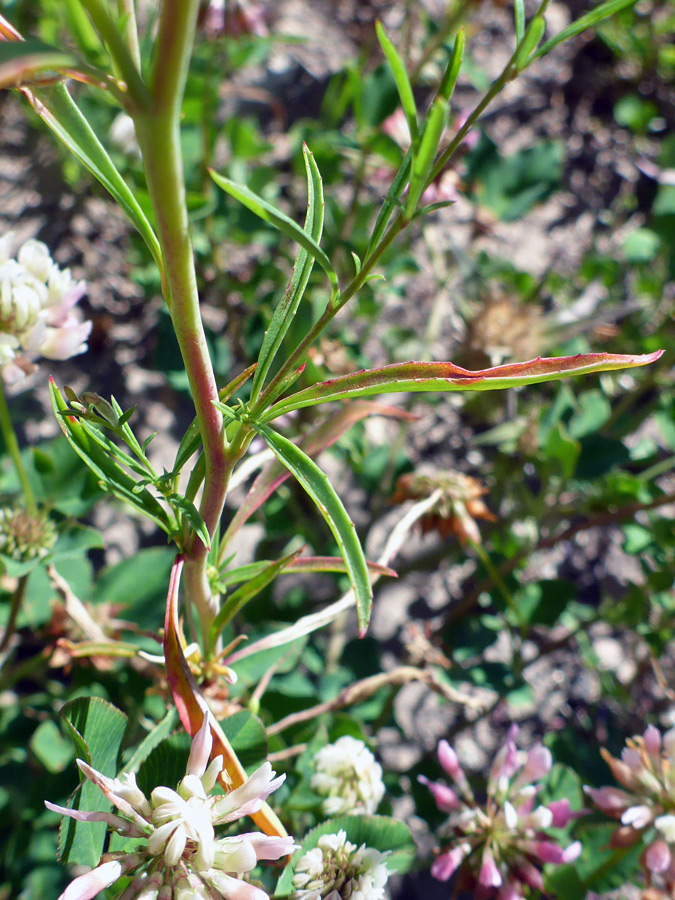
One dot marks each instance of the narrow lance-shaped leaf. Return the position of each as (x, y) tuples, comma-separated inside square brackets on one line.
[(111, 475), (302, 564), (280, 220), (322, 492), (434, 126), (446, 376), (312, 444), (236, 601), (25, 61), (304, 263), (192, 707), (390, 203), (403, 85), (603, 11), (59, 112), (519, 17)]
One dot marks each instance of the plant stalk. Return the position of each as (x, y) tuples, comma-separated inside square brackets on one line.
[(12, 445), (158, 131)]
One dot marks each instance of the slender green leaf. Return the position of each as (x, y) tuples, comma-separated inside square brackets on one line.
[(391, 202), (296, 566), (447, 85), (434, 126), (288, 305), (446, 376), (191, 513), (23, 62), (585, 22), (318, 439), (531, 39), (112, 477), (60, 113), (405, 91), (519, 16), (323, 494), (280, 220), (243, 595)]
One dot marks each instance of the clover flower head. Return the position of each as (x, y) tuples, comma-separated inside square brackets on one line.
[(337, 870), (178, 854), (26, 533), (498, 847), (645, 804), (347, 774), (37, 315)]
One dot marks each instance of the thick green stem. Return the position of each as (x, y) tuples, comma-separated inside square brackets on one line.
[(158, 130), (12, 444)]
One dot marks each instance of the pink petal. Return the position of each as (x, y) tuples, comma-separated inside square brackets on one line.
[(609, 799), (446, 799), (489, 873), (561, 812), (116, 822), (658, 857), (446, 864), (268, 846), (652, 739), (92, 883), (448, 759), (548, 851)]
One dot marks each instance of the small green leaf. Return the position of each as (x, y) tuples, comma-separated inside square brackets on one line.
[(519, 16), (50, 747), (447, 85), (243, 595), (248, 737), (60, 113), (192, 514), (585, 22), (403, 85), (383, 833), (288, 305), (390, 203), (97, 728), (531, 39), (434, 126), (280, 220), (322, 492)]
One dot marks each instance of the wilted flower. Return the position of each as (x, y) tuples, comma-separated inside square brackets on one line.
[(37, 316), (180, 855), (25, 533), (348, 776), (499, 847), (459, 502), (646, 808), (234, 18), (336, 870)]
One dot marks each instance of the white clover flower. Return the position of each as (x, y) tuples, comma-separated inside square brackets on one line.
[(37, 315), (180, 855), (337, 870), (347, 774)]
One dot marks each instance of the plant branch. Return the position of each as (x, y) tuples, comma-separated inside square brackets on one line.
[(158, 130), (12, 445), (364, 689)]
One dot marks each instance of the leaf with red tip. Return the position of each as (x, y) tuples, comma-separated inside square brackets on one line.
[(192, 707), (446, 376)]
